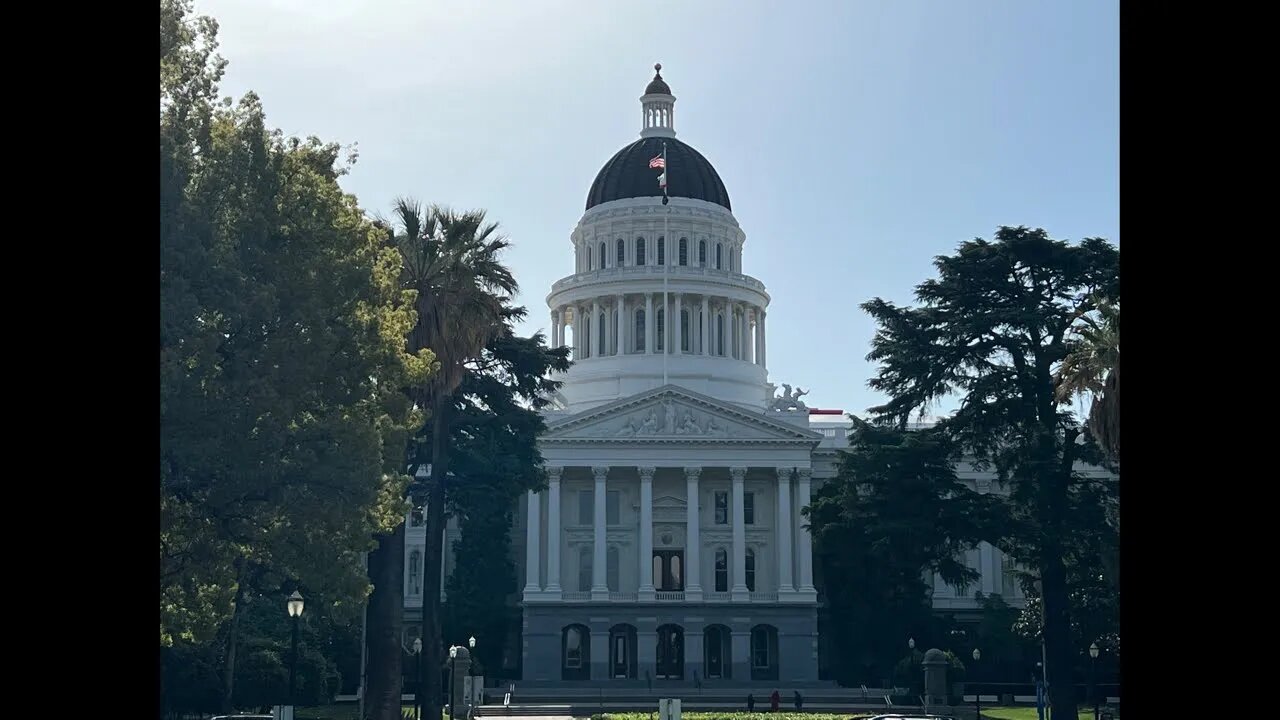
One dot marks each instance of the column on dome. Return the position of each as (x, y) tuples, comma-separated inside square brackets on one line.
[(693, 545), (739, 589), (599, 341), (764, 346), (555, 327), (532, 534), (599, 566), (553, 529), (678, 315), (785, 557), (744, 352), (805, 549), (646, 534), (706, 326), (621, 307), (649, 323)]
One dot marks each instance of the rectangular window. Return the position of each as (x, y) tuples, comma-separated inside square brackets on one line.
[(722, 571), (749, 508), (1009, 577), (584, 569), (722, 507), (586, 507), (613, 507), (611, 570)]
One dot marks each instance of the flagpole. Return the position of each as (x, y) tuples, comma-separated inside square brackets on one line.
[(666, 241)]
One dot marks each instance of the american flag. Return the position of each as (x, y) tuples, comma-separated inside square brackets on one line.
[(658, 162)]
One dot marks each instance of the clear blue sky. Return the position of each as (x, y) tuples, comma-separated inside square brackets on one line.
[(857, 139)]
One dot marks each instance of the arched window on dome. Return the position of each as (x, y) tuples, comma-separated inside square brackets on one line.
[(639, 251), (621, 255), (639, 330), (662, 251), (720, 335), (602, 335), (658, 343), (718, 249), (702, 253), (732, 264), (604, 255), (589, 258), (684, 251), (684, 331)]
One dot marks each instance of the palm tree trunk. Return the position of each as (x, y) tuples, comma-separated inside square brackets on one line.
[(386, 617), (432, 641)]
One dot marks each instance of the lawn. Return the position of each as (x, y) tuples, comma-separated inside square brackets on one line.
[(1028, 713)]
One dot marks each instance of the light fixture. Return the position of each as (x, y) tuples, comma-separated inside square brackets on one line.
[(472, 642), (295, 604), (1093, 650), (911, 643), (417, 646), (977, 654)]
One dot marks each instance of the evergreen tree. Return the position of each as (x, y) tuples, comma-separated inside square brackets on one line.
[(993, 328)]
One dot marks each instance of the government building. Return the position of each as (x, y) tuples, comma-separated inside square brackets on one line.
[(669, 544)]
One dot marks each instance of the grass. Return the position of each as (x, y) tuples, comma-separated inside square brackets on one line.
[(732, 716)]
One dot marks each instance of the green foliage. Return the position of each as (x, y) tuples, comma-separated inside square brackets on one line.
[(191, 679), (895, 510), (993, 328), (281, 353)]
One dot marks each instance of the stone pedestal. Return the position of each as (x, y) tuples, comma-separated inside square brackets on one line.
[(460, 659), (935, 678)]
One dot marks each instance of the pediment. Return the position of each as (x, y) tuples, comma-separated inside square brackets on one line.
[(674, 415)]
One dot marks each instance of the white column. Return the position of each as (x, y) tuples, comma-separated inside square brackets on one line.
[(679, 326), (742, 334), (693, 545), (649, 323), (756, 347), (532, 534), (622, 324), (785, 558), (555, 329), (739, 589), (599, 568), (706, 327), (553, 529), (805, 539), (646, 534), (598, 339), (764, 348)]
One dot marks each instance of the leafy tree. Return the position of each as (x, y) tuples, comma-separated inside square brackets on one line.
[(895, 510), (281, 358), (494, 434), (450, 263), (1092, 368), (993, 327)]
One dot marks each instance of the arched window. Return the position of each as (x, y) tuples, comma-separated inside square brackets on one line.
[(662, 251), (611, 568), (684, 251), (415, 573), (586, 337), (684, 331), (658, 343), (589, 258), (722, 570), (751, 570), (718, 249), (732, 263), (602, 335), (702, 253), (639, 251), (719, 335), (621, 255), (639, 329), (717, 651), (576, 660), (604, 255)]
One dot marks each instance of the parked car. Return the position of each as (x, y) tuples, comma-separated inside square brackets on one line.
[(246, 716)]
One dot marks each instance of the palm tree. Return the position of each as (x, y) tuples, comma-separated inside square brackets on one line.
[(450, 261), (1092, 367)]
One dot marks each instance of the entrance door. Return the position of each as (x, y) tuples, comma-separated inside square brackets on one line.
[(670, 664), (714, 644), (621, 656)]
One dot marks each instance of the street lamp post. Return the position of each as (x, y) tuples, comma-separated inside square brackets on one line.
[(294, 605), (417, 672), (453, 701), (1093, 677), (977, 694)]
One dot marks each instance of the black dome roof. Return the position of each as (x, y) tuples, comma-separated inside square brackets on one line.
[(627, 174), (657, 85)]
